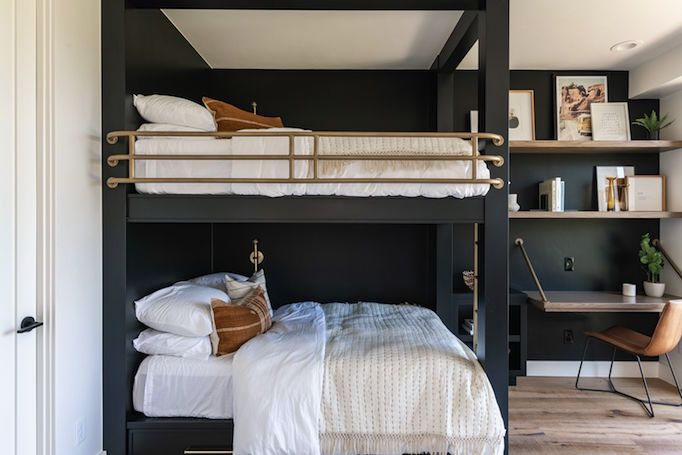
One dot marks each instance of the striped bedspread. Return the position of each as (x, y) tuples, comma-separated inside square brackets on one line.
[(397, 381)]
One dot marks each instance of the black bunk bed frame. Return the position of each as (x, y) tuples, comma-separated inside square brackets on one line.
[(485, 21)]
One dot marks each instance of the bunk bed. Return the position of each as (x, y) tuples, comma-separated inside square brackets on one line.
[(145, 210)]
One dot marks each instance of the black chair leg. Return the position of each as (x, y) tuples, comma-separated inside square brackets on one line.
[(613, 358), (612, 388), (582, 360), (650, 409), (677, 386)]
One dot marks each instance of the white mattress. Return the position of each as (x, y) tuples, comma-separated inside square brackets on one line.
[(328, 145), (167, 386)]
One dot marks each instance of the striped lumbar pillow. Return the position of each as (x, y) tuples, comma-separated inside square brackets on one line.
[(230, 118), (234, 325), (237, 288)]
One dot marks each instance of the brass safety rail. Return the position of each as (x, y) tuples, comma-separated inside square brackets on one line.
[(292, 157), (676, 268), (519, 243)]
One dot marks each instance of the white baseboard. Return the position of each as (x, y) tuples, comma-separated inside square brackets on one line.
[(591, 369), (102, 452)]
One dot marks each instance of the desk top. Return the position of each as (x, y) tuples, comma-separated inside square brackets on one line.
[(597, 302)]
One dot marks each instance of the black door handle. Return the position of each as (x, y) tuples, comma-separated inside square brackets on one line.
[(27, 324)]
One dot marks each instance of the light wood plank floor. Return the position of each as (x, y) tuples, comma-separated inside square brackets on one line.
[(549, 416)]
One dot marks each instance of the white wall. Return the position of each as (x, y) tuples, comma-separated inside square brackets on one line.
[(671, 230), (77, 219), (658, 77)]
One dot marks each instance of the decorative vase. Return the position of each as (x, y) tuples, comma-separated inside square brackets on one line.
[(513, 203), (655, 135), (611, 195), (654, 289)]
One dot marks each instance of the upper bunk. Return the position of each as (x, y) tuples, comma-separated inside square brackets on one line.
[(147, 59)]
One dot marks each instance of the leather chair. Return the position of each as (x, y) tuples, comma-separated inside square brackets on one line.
[(665, 338)]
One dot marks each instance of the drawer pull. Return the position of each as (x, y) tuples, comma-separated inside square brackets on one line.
[(192, 451)]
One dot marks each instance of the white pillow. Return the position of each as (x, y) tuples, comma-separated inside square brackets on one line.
[(174, 110), (153, 342), (237, 289), (214, 280), (182, 309), (169, 127)]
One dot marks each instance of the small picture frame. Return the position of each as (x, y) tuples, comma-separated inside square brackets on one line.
[(521, 115), (610, 122), (646, 193)]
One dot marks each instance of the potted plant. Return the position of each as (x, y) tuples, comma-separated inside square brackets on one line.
[(653, 124), (652, 261)]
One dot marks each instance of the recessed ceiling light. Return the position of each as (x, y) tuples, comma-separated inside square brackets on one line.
[(625, 46)]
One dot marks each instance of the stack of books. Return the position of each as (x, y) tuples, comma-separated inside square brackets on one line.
[(468, 326), (552, 195)]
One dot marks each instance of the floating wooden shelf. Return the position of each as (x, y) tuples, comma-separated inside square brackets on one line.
[(569, 147), (593, 214), (597, 302)]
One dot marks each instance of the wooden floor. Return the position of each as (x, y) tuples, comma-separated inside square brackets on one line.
[(549, 416)]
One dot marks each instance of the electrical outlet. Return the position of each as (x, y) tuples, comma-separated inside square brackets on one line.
[(568, 336), (569, 264), (79, 432)]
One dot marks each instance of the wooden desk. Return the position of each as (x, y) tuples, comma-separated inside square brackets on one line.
[(597, 302)]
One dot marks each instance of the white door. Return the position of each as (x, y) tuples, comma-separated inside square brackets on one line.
[(19, 390)]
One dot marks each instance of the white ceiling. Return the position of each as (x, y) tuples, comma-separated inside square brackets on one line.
[(316, 39), (544, 34), (548, 34)]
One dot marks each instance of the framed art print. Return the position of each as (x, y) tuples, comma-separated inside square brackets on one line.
[(521, 115), (574, 96), (610, 122), (646, 193)]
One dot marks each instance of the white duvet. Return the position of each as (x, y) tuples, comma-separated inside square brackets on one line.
[(364, 378), (304, 146)]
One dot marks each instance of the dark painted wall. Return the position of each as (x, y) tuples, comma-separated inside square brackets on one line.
[(332, 100), (158, 60)]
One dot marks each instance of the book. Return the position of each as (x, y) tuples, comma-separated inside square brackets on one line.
[(551, 195)]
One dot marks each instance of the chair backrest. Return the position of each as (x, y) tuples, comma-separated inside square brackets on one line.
[(668, 330)]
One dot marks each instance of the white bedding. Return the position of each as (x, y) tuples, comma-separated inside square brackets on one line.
[(337, 379), (277, 385), (304, 146), (379, 379), (167, 386)]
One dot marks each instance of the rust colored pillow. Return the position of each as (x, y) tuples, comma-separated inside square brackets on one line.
[(231, 118), (235, 324)]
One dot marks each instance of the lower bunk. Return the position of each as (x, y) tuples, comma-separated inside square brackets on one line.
[(333, 379)]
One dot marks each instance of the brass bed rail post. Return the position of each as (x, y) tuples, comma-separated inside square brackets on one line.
[(131, 154), (529, 263), (292, 158), (657, 244), (474, 154), (475, 296), (316, 144)]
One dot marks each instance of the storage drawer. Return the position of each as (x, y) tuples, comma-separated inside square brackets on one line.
[(179, 442)]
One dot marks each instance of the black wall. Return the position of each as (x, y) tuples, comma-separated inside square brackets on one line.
[(158, 60), (332, 100)]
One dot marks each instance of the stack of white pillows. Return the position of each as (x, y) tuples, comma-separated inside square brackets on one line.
[(171, 113), (179, 317)]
